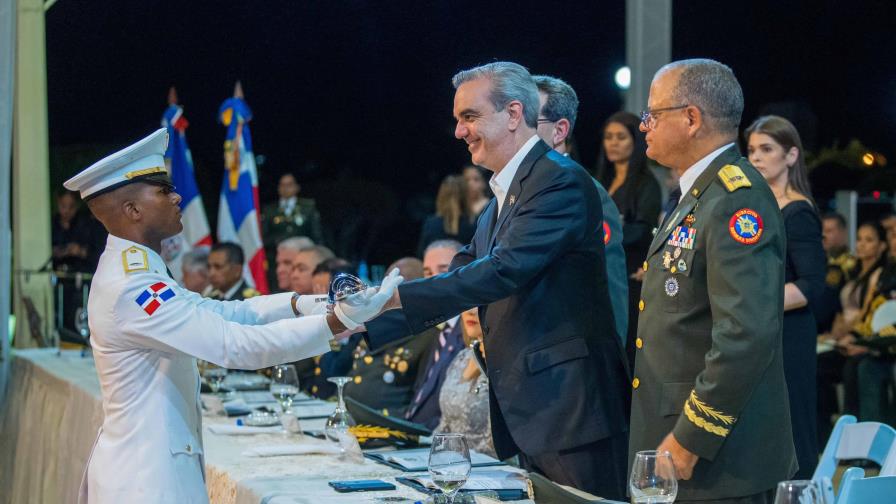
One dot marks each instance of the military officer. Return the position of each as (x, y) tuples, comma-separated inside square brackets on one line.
[(146, 332), (225, 265), (290, 216), (384, 378), (709, 384)]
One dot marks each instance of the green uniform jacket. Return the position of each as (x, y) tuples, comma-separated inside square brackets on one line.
[(303, 220), (709, 362)]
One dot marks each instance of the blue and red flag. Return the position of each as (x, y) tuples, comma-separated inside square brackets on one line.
[(153, 296), (196, 231), (239, 212)]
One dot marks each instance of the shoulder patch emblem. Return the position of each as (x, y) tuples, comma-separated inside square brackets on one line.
[(606, 233), (745, 226), (733, 178), (153, 296), (134, 259)]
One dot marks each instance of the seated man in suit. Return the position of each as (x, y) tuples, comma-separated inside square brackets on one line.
[(225, 273)]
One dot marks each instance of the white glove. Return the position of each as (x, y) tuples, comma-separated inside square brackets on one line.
[(363, 306), (311, 305)]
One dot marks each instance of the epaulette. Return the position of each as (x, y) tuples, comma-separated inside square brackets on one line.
[(733, 177), (134, 259), (249, 292)]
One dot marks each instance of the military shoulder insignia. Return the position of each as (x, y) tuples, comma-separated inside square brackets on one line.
[(134, 259), (745, 226), (249, 292), (733, 177), (154, 296), (606, 233)]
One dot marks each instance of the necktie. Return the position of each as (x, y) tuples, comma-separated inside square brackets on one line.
[(433, 369), (671, 203)]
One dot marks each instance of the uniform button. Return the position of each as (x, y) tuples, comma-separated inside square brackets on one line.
[(189, 449), (641, 305), (636, 383), (645, 266), (639, 342), (317, 371), (358, 379)]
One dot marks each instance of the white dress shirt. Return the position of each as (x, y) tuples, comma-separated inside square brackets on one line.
[(500, 182), (690, 175)]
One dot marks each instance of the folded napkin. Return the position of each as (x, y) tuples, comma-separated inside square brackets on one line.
[(293, 449), (238, 430)]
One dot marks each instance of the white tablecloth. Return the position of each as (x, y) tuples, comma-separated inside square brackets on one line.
[(52, 413)]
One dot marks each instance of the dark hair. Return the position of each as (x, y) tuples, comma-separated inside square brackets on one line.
[(836, 217), (863, 280), (334, 266), (784, 133), (562, 101), (233, 252), (638, 172)]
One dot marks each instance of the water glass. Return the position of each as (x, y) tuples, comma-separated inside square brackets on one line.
[(340, 420), (799, 492), (212, 374), (449, 463), (284, 385), (653, 479)]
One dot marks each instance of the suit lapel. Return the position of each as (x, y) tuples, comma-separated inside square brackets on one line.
[(513, 193), (689, 201)]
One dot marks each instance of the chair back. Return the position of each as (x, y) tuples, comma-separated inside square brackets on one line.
[(874, 490), (850, 440)]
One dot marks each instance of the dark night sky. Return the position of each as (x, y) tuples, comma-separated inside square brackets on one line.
[(364, 86)]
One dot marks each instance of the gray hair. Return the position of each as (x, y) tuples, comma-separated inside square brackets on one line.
[(510, 82), (562, 101), (295, 243), (195, 260), (322, 253), (448, 244), (711, 87)]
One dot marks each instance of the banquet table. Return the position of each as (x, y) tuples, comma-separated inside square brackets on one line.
[(53, 409)]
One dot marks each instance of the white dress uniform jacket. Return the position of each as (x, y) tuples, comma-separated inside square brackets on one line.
[(146, 332)]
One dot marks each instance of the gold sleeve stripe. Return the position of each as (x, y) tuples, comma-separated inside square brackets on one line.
[(709, 411), (703, 424)]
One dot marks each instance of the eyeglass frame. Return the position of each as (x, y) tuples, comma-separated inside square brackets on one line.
[(647, 116), (545, 120)]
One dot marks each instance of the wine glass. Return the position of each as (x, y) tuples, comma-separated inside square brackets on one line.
[(653, 479), (213, 375), (340, 420), (449, 463), (284, 385), (799, 492)]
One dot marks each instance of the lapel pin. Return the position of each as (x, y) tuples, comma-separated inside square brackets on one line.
[(512, 199)]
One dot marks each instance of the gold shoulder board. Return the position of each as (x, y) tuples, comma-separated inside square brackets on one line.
[(733, 178), (134, 259)]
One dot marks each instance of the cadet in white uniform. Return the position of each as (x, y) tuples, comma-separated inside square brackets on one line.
[(146, 332)]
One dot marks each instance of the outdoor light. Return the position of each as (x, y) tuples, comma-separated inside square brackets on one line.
[(868, 159), (623, 77)]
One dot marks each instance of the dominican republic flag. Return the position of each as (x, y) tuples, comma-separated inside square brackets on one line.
[(196, 231), (153, 297), (238, 214)]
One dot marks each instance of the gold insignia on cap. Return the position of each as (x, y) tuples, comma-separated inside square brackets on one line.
[(733, 178), (134, 259), (144, 171)]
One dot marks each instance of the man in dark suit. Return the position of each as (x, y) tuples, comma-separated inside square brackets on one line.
[(709, 381), (536, 269), (225, 273)]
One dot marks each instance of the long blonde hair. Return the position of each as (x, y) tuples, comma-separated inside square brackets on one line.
[(451, 202)]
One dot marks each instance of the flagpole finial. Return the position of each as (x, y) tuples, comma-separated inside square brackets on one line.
[(172, 96), (238, 90)]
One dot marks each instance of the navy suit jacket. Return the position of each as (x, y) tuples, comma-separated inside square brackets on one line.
[(556, 367)]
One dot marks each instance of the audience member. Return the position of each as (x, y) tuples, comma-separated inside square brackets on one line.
[(478, 194), (463, 398), (622, 169), (303, 267), (73, 249), (194, 269), (325, 271), (289, 216), (774, 148), (287, 250), (557, 119), (225, 273), (839, 263), (453, 219)]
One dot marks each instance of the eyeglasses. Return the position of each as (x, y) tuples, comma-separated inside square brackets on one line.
[(648, 117), (545, 120)]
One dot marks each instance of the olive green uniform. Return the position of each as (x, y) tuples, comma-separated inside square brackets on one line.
[(303, 219), (709, 361)]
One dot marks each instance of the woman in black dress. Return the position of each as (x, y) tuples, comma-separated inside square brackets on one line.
[(622, 170), (453, 219), (775, 150)]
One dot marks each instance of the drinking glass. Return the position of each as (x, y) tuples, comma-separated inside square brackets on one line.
[(284, 385), (449, 463), (799, 492), (213, 375), (653, 479), (340, 420)]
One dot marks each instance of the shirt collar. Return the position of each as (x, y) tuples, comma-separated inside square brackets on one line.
[(232, 291), (690, 175), (500, 182)]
